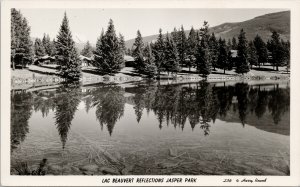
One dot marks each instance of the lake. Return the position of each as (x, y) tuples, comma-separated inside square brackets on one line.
[(148, 128)]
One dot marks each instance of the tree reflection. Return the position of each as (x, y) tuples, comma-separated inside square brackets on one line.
[(66, 103), (43, 101), (109, 102), (204, 102), (279, 103), (21, 109), (242, 90)]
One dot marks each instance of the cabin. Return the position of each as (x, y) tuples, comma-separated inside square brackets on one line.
[(85, 61), (129, 61), (45, 60)]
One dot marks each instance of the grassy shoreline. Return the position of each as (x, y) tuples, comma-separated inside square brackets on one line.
[(38, 76)]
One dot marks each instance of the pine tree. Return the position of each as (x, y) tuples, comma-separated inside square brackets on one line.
[(138, 52), (39, 49), (150, 67), (159, 54), (47, 44), (176, 36), (108, 56), (229, 60), (261, 49), (16, 23), (26, 44), (52, 48), (171, 56), (202, 57), (229, 45), (253, 57), (182, 46), (234, 43), (122, 44), (222, 60), (87, 51), (21, 44), (242, 65), (66, 53), (191, 48), (98, 53), (213, 50), (276, 49), (286, 46)]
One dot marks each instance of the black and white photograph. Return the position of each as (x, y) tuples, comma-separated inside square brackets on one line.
[(149, 92)]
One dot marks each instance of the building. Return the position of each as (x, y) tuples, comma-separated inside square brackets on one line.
[(45, 60), (85, 61)]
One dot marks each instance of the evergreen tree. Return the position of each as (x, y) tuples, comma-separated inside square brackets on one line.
[(213, 50), (234, 44), (159, 53), (229, 45), (203, 64), (222, 55), (191, 48), (21, 44), (108, 56), (171, 56), (150, 68), (286, 48), (87, 51), (98, 53), (182, 46), (47, 44), (261, 49), (52, 47), (176, 36), (122, 44), (138, 52), (242, 65), (66, 55), (229, 60), (276, 48), (253, 57), (39, 49)]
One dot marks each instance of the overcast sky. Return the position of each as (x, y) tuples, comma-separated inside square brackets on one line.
[(86, 24)]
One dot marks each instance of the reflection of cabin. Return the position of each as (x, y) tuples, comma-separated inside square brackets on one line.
[(129, 61), (45, 60), (85, 61)]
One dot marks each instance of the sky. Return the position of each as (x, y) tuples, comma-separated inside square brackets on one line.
[(86, 24)]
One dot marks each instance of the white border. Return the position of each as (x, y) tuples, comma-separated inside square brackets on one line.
[(6, 179)]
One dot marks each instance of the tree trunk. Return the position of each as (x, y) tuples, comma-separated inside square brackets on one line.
[(224, 70), (13, 64), (189, 69), (276, 66)]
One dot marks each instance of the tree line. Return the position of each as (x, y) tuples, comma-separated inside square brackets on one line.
[(169, 53), (205, 52)]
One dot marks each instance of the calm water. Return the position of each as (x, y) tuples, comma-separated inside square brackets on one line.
[(147, 128)]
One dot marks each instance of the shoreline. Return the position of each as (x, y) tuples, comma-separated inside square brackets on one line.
[(37, 76), (46, 81)]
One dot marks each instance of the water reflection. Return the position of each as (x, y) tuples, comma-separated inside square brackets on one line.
[(21, 109), (109, 103), (66, 103), (195, 104)]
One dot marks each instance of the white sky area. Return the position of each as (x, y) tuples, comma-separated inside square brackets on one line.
[(86, 24)]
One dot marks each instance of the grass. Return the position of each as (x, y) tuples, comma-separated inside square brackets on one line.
[(129, 73)]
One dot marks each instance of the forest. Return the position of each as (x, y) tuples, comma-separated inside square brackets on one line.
[(169, 53)]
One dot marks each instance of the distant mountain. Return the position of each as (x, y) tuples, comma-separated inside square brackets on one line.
[(262, 25)]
